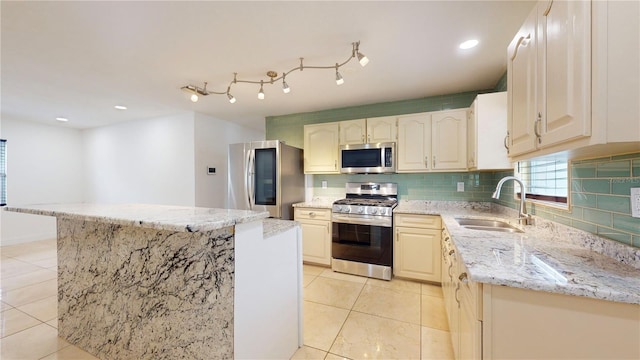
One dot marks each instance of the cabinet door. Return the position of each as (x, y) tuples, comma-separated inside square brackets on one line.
[(564, 67), (472, 143), (417, 254), (488, 128), (381, 129), (414, 143), (316, 241), (449, 140), (321, 149), (353, 132), (521, 84), (469, 330)]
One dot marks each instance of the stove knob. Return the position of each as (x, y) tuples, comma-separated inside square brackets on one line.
[(360, 210), (373, 211)]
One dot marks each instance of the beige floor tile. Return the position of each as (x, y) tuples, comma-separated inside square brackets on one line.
[(436, 344), (26, 249), (70, 353), (333, 292), (397, 284), (308, 353), (13, 267), (34, 277), (331, 356), (32, 343), (53, 323), (46, 263), (433, 313), (432, 290), (389, 303), (321, 324), (43, 310), (38, 254), (4, 306), (31, 293), (307, 279), (14, 320), (328, 273), (312, 269), (372, 337)]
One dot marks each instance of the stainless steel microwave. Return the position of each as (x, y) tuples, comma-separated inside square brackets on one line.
[(375, 158)]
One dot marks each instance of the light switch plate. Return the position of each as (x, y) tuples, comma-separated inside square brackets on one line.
[(635, 202), (460, 186)]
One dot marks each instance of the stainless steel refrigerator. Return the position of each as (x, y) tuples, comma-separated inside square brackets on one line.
[(265, 176)]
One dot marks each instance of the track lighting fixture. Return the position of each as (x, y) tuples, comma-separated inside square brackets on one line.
[(195, 91), (339, 79), (273, 77)]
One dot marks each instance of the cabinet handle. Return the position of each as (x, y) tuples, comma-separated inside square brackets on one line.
[(506, 139), (363, 138), (369, 138), (434, 162), (535, 128), (456, 294), (335, 164), (463, 277), (426, 162), (451, 252), (312, 214)]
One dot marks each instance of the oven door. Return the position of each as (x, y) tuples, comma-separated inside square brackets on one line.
[(369, 244)]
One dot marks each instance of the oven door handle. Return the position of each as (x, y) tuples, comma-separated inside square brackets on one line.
[(376, 221)]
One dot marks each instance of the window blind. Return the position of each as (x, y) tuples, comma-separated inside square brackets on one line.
[(3, 172), (545, 180)]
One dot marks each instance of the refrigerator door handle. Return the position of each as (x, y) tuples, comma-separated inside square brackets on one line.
[(250, 181)]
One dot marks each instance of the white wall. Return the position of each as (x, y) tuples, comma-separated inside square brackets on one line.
[(144, 161), (212, 139), (44, 165)]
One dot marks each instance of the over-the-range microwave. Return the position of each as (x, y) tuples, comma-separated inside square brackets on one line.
[(374, 158)]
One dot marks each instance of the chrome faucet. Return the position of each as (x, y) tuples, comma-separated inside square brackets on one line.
[(523, 217)]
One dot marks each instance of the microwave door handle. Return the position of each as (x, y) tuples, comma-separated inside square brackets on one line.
[(252, 180)]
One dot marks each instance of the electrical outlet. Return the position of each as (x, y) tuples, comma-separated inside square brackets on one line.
[(324, 184), (635, 202), (460, 186)]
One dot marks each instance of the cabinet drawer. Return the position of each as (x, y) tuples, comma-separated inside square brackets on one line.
[(419, 221), (312, 214)]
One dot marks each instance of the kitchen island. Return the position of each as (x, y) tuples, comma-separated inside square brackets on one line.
[(152, 281)]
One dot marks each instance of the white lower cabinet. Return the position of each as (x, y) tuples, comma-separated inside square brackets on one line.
[(502, 322), (316, 234), (417, 248)]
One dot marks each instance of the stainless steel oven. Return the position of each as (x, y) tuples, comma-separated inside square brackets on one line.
[(362, 235)]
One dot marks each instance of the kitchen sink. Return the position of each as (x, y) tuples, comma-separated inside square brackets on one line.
[(488, 225)]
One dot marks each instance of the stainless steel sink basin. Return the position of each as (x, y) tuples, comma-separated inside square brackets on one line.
[(488, 225)]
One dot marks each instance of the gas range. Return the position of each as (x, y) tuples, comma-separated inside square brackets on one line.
[(366, 203)]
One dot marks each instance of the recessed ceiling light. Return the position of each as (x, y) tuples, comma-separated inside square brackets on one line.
[(120, 107), (62, 119), (468, 44)]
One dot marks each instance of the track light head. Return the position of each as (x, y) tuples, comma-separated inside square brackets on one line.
[(285, 87), (362, 59), (261, 92), (339, 79)]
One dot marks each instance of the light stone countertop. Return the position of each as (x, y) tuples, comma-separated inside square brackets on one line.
[(317, 202), (548, 256), (271, 227), (160, 217)]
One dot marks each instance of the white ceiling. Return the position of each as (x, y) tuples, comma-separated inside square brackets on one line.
[(79, 59)]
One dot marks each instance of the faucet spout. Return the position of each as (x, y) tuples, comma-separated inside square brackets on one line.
[(523, 217)]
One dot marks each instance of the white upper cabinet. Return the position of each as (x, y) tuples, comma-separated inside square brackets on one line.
[(353, 132), (321, 149), (373, 130), (564, 68), (572, 80), (521, 84), (414, 143), (382, 129), (434, 141), (487, 133), (449, 140)]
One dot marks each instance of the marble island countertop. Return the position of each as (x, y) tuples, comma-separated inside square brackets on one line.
[(160, 217), (547, 256)]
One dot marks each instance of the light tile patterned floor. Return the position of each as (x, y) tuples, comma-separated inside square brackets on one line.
[(352, 317), (29, 299), (345, 317)]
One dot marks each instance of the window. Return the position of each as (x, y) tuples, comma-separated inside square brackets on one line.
[(3, 172), (545, 180)]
